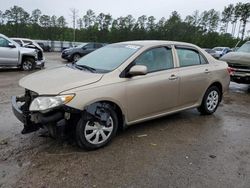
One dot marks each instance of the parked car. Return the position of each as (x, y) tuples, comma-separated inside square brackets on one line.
[(220, 51), (28, 43), (239, 63), (45, 47), (211, 52), (75, 53), (13, 55), (118, 85)]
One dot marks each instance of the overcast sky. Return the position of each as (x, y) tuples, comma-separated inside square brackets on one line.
[(157, 8)]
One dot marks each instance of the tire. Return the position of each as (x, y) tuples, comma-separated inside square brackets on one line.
[(28, 64), (76, 57), (210, 101), (87, 139)]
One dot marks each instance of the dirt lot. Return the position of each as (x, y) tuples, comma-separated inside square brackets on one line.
[(182, 150)]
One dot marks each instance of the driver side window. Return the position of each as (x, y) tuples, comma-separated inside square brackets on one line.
[(156, 59), (4, 42)]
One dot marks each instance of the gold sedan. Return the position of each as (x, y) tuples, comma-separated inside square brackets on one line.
[(119, 85)]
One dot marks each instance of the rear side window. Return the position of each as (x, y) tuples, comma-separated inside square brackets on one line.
[(189, 57), (156, 59)]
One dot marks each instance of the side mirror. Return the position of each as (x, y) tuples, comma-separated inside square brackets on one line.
[(11, 45), (138, 70)]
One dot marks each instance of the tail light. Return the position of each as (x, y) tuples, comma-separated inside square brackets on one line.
[(230, 70)]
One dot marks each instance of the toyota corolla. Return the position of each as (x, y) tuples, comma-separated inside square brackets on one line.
[(119, 85)]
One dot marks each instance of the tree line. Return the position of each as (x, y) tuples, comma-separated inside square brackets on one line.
[(207, 29)]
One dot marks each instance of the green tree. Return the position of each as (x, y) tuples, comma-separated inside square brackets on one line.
[(227, 16), (61, 22), (245, 14), (53, 21), (89, 19), (45, 21), (213, 20), (35, 15), (151, 23)]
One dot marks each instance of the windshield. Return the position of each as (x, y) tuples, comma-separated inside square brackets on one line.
[(109, 57), (245, 48)]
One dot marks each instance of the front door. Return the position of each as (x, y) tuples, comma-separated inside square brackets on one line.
[(8, 55), (157, 91)]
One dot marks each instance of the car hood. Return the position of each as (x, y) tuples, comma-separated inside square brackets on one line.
[(57, 80), (24, 50), (241, 58), (34, 46)]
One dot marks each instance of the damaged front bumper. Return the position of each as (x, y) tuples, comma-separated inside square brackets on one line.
[(32, 121), (40, 63)]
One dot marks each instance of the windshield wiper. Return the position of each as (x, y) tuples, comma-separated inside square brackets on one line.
[(90, 69)]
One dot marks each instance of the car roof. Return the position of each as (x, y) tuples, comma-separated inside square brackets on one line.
[(147, 43)]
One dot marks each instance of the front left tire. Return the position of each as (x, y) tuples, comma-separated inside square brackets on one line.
[(28, 64), (91, 134)]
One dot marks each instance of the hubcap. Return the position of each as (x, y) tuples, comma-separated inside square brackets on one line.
[(27, 65), (212, 100), (95, 133)]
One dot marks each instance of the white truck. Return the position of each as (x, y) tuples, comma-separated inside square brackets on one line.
[(13, 55)]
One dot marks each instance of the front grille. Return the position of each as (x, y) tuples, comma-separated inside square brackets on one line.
[(238, 66)]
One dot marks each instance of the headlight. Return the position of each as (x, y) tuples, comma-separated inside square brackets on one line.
[(66, 51), (48, 102)]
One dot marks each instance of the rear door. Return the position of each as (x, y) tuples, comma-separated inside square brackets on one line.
[(157, 91), (8, 55), (194, 74)]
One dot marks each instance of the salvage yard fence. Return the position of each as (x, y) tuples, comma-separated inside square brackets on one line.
[(58, 46)]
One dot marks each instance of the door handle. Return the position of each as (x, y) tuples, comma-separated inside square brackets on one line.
[(206, 71), (173, 77)]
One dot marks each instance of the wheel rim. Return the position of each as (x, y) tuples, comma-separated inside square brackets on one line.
[(212, 100), (27, 65), (95, 133), (76, 58)]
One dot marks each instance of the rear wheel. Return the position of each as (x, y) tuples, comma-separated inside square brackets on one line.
[(211, 101), (28, 64), (91, 134)]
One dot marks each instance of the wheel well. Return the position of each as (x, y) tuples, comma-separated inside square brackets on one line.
[(219, 86), (118, 111), (26, 56)]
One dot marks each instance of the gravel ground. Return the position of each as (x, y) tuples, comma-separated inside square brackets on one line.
[(181, 150)]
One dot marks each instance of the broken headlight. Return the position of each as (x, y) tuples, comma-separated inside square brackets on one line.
[(48, 102)]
